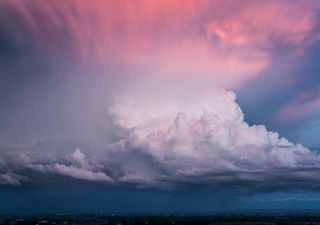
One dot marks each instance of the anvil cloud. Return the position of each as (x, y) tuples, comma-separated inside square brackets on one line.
[(227, 41)]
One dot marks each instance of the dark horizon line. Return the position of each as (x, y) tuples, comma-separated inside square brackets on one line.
[(168, 213)]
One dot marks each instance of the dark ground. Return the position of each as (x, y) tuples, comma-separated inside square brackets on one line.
[(218, 219)]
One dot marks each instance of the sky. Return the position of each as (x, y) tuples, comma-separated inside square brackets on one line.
[(159, 106)]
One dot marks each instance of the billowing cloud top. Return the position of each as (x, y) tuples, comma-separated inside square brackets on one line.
[(205, 140)]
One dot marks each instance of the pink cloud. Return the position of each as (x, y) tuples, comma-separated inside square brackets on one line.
[(228, 41), (301, 105)]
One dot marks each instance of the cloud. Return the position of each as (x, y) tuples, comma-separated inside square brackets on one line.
[(161, 138), (304, 104), (227, 41), (7, 177), (205, 141), (75, 166), (11, 179), (75, 172), (184, 141)]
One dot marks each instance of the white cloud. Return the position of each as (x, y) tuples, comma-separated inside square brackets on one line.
[(204, 140)]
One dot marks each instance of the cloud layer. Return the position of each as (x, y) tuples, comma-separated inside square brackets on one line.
[(169, 143)]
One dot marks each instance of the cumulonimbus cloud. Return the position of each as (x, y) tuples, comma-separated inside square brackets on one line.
[(169, 143), (171, 140), (205, 141)]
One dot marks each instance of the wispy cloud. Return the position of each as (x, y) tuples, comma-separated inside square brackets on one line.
[(228, 41)]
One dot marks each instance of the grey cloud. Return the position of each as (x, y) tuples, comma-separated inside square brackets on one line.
[(11, 179), (75, 166)]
